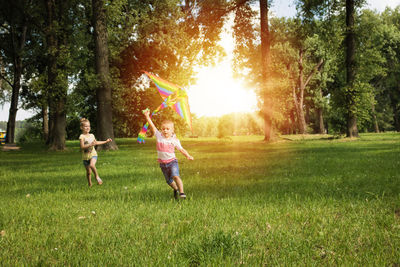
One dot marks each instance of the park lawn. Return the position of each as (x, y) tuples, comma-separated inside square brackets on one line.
[(308, 201)]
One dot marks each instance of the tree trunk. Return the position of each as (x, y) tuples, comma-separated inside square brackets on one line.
[(300, 112), (321, 126), (50, 121), (374, 119), (12, 115), (45, 124), (104, 102), (352, 130), (293, 129), (299, 97), (396, 121), (265, 62), (18, 46), (1, 73), (396, 111), (58, 92), (60, 123)]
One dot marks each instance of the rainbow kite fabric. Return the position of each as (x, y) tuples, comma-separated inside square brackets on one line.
[(173, 96)]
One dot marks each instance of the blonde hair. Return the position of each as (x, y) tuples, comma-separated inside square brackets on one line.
[(172, 124), (168, 122), (83, 121)]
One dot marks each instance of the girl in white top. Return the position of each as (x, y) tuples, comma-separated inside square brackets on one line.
[(89, 154), (166, 144)]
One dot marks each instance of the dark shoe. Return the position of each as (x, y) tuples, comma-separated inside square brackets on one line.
[(182, 196), (176, 194)]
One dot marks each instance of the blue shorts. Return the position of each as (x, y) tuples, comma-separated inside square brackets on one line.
[(170, 170), (87, 162)]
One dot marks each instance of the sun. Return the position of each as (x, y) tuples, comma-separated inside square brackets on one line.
[(217, 93)]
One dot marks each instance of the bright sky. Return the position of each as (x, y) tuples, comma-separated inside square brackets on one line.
[(217, 83), (216, 92)]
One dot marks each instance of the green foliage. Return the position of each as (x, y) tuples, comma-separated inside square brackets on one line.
[(171, 37), (30, 132)]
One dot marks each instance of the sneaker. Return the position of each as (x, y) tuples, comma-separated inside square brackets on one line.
[(175, 194), (99, 181), (182, 196)]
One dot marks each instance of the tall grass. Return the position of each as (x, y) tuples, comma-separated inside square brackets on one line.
[(302, 202)]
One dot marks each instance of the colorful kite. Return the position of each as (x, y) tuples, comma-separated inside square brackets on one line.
[(173, 96)]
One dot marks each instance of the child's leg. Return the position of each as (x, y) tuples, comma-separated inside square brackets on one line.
[(93, 166), (89, 175), (174, 186), (178, 183)]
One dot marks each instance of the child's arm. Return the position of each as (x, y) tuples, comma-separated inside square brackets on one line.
[(147, 115), (186, 154), (103, 142)]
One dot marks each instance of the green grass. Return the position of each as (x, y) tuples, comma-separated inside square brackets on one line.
[(307, 202)]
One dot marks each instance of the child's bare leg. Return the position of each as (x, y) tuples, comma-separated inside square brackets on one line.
[(174, 186), (93, 167), (179, 183), (89, 175)]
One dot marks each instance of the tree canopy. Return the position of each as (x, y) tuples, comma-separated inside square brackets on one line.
[(315, 73)]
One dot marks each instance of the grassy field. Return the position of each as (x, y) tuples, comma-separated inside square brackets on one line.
[(311, 201)]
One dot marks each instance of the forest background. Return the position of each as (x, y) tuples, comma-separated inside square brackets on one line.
[(333, 68)]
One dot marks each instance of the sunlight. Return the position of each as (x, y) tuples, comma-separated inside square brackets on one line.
[(216, 92)]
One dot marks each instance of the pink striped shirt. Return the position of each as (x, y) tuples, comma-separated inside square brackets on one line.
[(166, 147)]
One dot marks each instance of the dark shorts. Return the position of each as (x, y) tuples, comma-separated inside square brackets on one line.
[(170, 170), (87, 162)]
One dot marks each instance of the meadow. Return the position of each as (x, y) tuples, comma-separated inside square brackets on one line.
[(304, 201)]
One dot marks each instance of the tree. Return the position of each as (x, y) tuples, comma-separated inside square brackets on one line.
[(265, 71), (14, 31), (253, 58), (57, 82), (301, 38), (388, 95), (103, 93), (168, 38), (352, 130)]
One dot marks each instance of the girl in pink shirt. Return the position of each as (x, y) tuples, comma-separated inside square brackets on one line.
[(166, 144)]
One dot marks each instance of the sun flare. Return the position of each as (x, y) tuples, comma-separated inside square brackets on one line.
[(217, 93)]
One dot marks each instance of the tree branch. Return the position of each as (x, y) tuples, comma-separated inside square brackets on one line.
[(317, 67), (7, 81)]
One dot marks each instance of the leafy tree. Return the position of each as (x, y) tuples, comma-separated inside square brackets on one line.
[(169, 39), (13, 41), (388, 85)]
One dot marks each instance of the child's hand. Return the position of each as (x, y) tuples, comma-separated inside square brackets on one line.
[(108, 140), (146, 112), (190, 157)]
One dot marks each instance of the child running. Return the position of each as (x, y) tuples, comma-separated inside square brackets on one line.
[(166, 144), (89, 154)]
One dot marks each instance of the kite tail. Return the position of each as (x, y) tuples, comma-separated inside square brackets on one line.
[(143, 131), (142, 134)]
